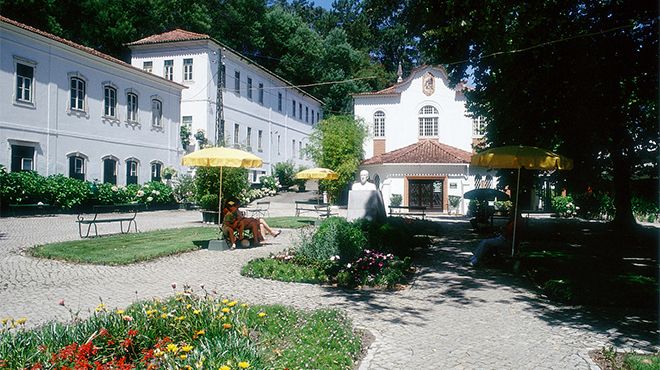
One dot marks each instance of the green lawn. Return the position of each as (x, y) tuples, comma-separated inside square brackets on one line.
[(128, 248), (290, 222)]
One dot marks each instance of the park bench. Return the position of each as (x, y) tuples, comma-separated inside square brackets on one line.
[(319, 209), (258, 210), (408, 211), (108, 214)]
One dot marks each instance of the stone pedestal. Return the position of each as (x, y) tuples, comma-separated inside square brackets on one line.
[(218, 245), (366, 204)]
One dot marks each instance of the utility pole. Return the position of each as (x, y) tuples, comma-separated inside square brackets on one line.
[(219, 113)]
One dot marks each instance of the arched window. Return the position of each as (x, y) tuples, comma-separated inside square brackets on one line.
[(428, 121), (156, 113), (77, 94), (131, 106), (110, 170), (131, 171), (379, 124), (77, 166), (156, 168)]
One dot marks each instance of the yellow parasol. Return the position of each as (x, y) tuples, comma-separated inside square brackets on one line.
[(221, 157), (318, 174), (517, 157)]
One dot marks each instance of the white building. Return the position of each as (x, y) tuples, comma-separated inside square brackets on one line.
[(420, 140), (68, 109), (261, 112)]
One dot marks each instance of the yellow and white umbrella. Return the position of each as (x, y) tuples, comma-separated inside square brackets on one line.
[(317, 174), (517, 157), (221, 157)]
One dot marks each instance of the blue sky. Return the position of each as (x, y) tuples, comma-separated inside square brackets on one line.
[(327, 4)]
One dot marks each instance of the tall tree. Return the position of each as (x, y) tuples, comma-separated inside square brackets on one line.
[(579, 77)]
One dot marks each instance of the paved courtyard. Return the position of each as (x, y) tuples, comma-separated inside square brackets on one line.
[(451, 317)]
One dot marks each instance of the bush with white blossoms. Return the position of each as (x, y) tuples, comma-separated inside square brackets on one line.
[(154, 192), (564, 206), (270, 183)]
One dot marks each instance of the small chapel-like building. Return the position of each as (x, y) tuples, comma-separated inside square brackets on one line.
[(420, 140)]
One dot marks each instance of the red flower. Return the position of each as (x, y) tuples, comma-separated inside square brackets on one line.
[(132, 332)]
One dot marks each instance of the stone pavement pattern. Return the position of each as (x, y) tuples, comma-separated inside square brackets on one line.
[(451, 317)]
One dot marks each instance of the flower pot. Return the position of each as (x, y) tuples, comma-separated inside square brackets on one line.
[(210, 217)]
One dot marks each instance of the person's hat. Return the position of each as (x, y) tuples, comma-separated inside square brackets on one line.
[(231, 203)]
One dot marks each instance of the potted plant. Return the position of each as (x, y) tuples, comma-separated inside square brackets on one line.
[(168, 173), (209, 205)]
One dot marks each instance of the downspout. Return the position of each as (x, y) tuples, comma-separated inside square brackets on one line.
[(219, 112)]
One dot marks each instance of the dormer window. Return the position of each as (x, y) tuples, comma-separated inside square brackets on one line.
[(428, 121)]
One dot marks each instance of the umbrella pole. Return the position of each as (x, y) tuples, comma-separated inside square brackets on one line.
[(220, 205), (515, 215)]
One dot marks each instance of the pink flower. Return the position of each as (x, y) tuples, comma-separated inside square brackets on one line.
[(61, 302)]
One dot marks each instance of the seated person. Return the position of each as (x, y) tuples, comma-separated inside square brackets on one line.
[(230, 222), (497, 245), (237, 222)]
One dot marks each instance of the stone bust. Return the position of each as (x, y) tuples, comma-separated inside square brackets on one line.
[(364, 184)]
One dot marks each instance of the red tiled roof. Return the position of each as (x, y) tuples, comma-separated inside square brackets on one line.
[(72, 44), (171, 36), (423, 151)]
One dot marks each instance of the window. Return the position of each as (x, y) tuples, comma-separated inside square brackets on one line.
[(186, 120), (249, 88), (278, 145), (24, 83), (279, 101), (261, 93), (478, 126), (237, 131), (428, 121), (379, 124), (77, 94), (155, 171), (293, 108), (131, 172), (300, 151), (293, 148), (318, 117), (260, 136), (248, 139), (131, 107), (306, 114), (237, 82), (168, 71), (188, 69), (109, 101), (156, 113), (312, 116), (300, 111), (148, 66), (22, 158), (110, 171), (77, 167)]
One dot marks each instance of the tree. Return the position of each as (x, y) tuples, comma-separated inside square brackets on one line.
[(577, 77), (336, 143)]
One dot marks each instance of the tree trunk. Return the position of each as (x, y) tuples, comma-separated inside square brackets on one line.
[(623, 217)]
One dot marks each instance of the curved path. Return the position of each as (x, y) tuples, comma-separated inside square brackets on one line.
[(450, 317)]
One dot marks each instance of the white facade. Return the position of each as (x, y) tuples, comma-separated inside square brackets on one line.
[(420, 108), (58, 114), (257, 106)]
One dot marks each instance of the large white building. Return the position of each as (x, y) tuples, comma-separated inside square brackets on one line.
[(68, 109), (260, 112), (420, 140)]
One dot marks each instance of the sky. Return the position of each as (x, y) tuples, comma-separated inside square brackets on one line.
[(327, 4)]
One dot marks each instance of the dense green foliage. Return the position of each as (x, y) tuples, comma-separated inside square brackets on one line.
[(285, 171), (207, 183), (186, 331), (335, 237), (336, 143)]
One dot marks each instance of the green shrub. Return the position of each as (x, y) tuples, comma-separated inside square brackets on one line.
[(335, 237), (183, 188), (645, 209), (270, 183), (24, 187), (111, 194), (209, 202), (395, 200), (454, 201), (66, 192), (284, 171), (154, 192), (234, 181), (564, 206)]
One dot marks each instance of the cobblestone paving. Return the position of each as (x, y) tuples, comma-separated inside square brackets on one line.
[(451, 317)]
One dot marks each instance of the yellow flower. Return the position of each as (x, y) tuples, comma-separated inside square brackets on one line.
[(188, 306), (183, 357), (226, 309), (180, 318), (224, 367), (226, 325), (120, 312), (6, 320), (187, 348), (244, 305), (172, 347), (197, 312), (100, 307), (243, 364), (21, 321), (158, 353), (201, 332), (232, 303), (225, 301), (163, 316), (261, 314)]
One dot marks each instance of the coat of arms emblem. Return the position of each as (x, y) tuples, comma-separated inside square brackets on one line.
[(428, 84)]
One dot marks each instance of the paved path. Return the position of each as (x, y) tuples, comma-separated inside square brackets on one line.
[(450, 317)]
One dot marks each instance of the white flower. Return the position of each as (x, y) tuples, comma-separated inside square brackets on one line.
[(153, 192), (40, 203), (114, 188), (348, 265), (140, 193), (149, 199)]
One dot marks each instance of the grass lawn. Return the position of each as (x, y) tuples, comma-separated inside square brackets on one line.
[(287, 222), (127, 248)]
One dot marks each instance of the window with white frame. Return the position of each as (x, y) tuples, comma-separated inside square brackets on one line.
[(188, 69), (260, 136), (278, 145), (300, 151), (428, 121), (148, 66), (293, 108), (306, 114), (77, 167), (156, 113), (168, 71), (77, 94), (261, 93), (379, 124), (131, 107), (24, 83), (279, 101), (293, 148), (300, 111), (109, 101), (156, 168), (131, 171), (237, 130), (312, 116), (249, 88), (478, 126), (22, 158), (110, 170), (248, 139), (237, 82), (318, 117)]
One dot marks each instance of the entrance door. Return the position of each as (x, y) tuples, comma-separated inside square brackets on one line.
[(110, 171), (426, 193)]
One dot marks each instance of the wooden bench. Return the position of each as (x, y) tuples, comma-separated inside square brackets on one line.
[(320, 209), (260, 209), (107, 214), (408, 211)]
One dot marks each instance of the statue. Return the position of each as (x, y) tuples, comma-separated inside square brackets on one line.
[(364, 184)]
